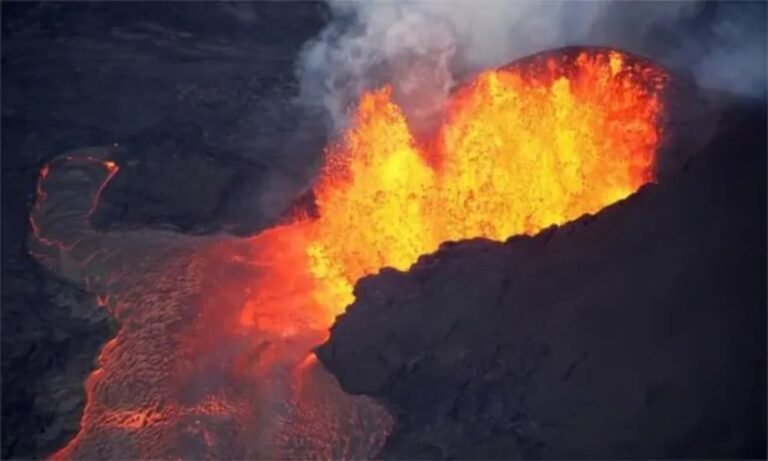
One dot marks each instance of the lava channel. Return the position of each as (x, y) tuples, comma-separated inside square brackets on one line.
[(214, 359)]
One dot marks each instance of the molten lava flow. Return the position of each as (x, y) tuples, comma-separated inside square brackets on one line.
[(213, 356), (521, 148), (184, 378)]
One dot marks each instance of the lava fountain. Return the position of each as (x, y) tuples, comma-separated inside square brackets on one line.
[(214, 355), (538, 143)]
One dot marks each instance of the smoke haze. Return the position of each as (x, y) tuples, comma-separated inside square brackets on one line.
[(424, 48)]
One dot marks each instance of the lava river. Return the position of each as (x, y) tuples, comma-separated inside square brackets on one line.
[(213, 357)]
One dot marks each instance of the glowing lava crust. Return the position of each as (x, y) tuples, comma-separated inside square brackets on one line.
[(213, 357)]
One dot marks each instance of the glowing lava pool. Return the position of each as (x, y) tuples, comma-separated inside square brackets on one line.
[(214, 359)]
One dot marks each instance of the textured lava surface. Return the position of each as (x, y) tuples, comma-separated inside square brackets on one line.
[(198, 98), (178, 380)]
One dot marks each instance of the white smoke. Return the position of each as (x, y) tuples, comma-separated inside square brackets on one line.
[(424, 47)]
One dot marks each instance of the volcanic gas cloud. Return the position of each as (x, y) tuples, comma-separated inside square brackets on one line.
[(540, 142)]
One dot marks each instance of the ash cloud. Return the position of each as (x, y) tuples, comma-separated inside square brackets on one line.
[(425, 48)]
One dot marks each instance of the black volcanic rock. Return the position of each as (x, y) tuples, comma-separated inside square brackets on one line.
[(636, 333), (51, 333), (188, 194)]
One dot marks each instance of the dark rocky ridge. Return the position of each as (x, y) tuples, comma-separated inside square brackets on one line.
[(636, 333)]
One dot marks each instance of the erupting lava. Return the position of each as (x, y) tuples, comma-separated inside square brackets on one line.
[(213, 357), (538, 143)]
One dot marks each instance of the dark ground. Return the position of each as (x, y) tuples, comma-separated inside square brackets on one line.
[(196, 96), (636, 333)]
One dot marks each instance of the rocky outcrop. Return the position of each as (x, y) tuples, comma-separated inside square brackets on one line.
[(636, 333)]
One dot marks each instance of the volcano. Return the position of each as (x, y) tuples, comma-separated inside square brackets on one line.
[(214, 353), (565, 262)]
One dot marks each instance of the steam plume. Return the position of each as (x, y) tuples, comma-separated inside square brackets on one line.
[(424, 48)]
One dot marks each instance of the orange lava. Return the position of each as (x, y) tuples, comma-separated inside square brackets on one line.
[(520, 149)]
